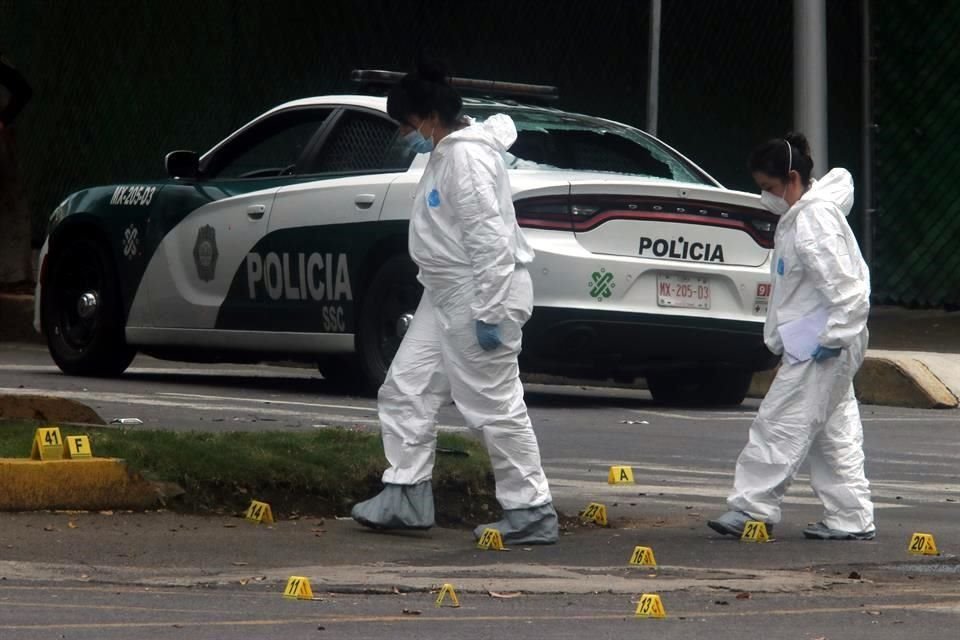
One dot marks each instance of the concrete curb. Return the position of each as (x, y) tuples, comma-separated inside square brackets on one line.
[(897, 381), (902, 382), (93, 484)]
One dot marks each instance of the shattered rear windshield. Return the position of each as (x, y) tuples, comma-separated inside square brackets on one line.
[(566, 142)]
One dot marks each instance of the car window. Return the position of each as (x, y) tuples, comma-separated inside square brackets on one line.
[(361, 142), (562, 141), (269, 148)]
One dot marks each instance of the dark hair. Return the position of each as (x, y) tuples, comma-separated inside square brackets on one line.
[(771, 157), (424, 92)]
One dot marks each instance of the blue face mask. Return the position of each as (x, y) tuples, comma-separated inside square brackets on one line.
[(416, 141)]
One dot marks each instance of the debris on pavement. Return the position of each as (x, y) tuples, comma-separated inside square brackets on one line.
[(744, 595), (126, 421), (504, 596)]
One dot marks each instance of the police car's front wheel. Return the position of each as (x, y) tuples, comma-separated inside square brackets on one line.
[(700, 387), (82, 313)]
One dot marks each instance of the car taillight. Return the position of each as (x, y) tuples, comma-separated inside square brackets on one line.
[(551, 212)]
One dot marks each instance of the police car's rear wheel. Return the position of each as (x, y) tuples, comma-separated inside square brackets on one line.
[(699, 387), (82, 313), (388, 307)]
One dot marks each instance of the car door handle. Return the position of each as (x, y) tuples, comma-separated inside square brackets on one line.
[(365, 200), (256, 211)]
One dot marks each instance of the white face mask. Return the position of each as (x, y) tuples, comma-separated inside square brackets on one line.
[(773, 203)]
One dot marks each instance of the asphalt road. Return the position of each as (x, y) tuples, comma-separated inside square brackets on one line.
[(109, 613), (683, 461)]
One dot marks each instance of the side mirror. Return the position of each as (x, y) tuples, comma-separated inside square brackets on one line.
[(182, 164)]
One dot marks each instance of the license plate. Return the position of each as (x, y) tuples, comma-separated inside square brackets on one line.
[(681, 291)]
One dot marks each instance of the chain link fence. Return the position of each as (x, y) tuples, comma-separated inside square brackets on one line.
[(916, 101)]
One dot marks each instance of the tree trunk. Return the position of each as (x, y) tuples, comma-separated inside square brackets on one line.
[(15, 250)]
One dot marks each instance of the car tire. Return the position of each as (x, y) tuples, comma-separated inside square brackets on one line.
[(698, 388), (391, 299), (82, 312)]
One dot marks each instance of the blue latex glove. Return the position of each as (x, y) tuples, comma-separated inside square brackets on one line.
[(825, 353), (488, 335)]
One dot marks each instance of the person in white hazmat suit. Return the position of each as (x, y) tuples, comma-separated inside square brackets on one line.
[(465, 338), (817, 319)]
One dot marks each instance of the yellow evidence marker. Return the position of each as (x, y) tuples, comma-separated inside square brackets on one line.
[(78, 447), (650, 606), (47, 444), (298, 587), (620, 475), (259, 512), (445, 590), (595, 512), (643, 556), (923, 544), (755, 531), (491, 540)]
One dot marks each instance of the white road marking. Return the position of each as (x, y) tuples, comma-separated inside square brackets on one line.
[(748, 416), (271, 401), (261, 371)]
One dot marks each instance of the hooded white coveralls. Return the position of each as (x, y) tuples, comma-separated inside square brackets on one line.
[(472, 256), (810, 408)]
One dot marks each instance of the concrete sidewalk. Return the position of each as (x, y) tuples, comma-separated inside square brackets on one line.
[(165, 549)]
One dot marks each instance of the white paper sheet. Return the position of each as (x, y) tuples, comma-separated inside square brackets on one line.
[(801, 337)]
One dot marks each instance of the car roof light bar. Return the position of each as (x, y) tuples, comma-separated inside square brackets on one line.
[(537, 92)]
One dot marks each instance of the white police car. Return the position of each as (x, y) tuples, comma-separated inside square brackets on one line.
[(289, 240)]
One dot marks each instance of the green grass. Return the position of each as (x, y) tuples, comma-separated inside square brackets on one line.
[(322, 472)]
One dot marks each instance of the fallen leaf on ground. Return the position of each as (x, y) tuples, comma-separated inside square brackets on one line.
[(504, 596), (49, 529), (721, 602), (72, 524), (240, 564), (874, 613), (412, 612), (854, 575), (230, 526), (744, 595)]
